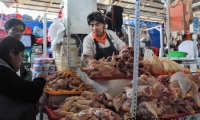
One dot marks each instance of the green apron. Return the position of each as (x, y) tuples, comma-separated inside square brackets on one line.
[(104, 52)]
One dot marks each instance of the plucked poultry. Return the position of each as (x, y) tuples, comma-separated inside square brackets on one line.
[(162, 96), (86, 100), (67, 80), (93, 114), (116, 65)]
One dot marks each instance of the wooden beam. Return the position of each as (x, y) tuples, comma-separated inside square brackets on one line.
[(147, 2), (195, 4), (160, 11), (49, 5), (117, 2), (20, 2)]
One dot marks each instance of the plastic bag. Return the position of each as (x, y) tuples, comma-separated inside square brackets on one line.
[(57, 38), (53, 28)]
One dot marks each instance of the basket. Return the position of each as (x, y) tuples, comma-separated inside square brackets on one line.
[(177, 54), (60, 58), (62, 92)]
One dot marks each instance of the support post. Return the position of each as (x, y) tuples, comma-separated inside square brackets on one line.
[(168, 27), (136, 59), (45, 36), (130, 41), (161, 42)]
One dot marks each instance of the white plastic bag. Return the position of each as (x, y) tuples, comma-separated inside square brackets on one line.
[(53, 28), (57, 36), (147, 53)]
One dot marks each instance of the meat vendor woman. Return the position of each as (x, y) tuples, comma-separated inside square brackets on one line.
[(100, 42)]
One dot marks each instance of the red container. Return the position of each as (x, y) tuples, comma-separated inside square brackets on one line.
[(51, 115)]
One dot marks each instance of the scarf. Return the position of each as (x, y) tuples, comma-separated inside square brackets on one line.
[(101, 40)]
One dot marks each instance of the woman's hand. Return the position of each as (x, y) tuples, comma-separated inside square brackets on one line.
[(88, 59)]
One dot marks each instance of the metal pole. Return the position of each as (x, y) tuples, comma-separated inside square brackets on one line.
[(45, 36), (195, 44), (67, 50), (130, 42), (136, 59), (168, 27), (161, 42)]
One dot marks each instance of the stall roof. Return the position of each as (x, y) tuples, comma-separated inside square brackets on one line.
[(151, 10)]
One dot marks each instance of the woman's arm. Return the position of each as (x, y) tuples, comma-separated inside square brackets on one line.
[(88, 49), (13, 86)]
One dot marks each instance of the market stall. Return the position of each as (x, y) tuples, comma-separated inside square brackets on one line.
[(163, 88), (120, 86)]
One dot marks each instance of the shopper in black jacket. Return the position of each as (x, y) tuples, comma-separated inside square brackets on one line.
[(16, 94)]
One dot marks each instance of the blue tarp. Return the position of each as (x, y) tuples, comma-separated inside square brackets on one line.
[(155, 34)]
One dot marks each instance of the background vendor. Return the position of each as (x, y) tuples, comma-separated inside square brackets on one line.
[(100, 43), (15, 28)]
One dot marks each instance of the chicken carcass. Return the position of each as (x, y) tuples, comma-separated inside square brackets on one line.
[(193, 90), (144, 90), (157, 67), (93, 114), (158, 90), (145, 110), (183, 81)]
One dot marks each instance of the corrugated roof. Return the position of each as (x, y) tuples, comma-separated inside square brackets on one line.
[(150, 9)]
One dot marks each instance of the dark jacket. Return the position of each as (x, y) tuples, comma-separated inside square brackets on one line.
[(18, 96)]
